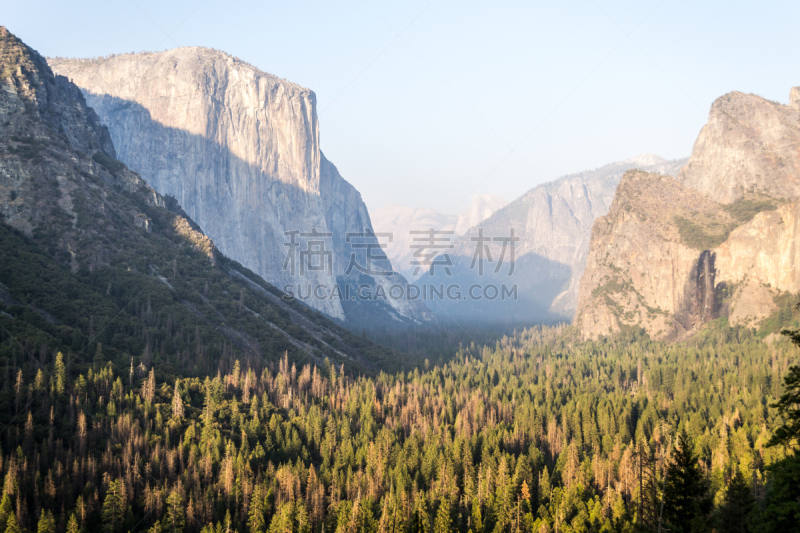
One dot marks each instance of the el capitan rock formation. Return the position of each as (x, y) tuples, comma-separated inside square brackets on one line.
[(239, 149), (96, 263)]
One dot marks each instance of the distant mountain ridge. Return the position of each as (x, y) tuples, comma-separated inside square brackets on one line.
[(240, 150), (399, 221), (553, 223)]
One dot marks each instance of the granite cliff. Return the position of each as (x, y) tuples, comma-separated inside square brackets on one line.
[(97, 264), (750, 145), (239, 149), (673, 254)]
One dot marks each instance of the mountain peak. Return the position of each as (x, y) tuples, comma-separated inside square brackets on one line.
[(646, 160), (186, 55), (748, 146), (482, 207)]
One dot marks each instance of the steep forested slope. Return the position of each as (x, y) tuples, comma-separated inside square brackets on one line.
[(98, 265)]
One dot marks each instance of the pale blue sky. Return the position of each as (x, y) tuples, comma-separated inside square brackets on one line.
[(428, 117)]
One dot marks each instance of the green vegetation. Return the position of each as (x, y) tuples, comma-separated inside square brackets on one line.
[(697, 236), (709, 235), (110, 164), (744, 210), (27, 148), (538, 433), (150, 384)]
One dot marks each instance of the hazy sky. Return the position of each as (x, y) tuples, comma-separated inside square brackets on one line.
[(425, 103)]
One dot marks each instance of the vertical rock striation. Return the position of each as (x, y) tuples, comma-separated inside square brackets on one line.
[(239, 149), (640, 271)]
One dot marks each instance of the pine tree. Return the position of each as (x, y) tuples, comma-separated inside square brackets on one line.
[(114, 507), (149, 387), (685, 492), (302, 523), (781, 508), (12, 526), (47, 523), (443, 521), (545, 486), (256, 522), (421, 519), (174, 519), (72, 525), (788, 406), (732, 514), (60, 374), (476, 519), (6, 510)]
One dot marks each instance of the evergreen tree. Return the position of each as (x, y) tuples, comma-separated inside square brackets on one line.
[(6, 510), (732, 514), (781, 508), (177, 402), (149, 387), (175, 519), (72, 525), (60, 374), (256, 523), (302, 523), (113, 510), (443, 521), (47, 523), (788, 405), (685, 492), (11, 525)]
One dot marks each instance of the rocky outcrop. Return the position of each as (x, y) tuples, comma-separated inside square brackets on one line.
[(749, 145), (672, 255), (239, 149), (640, 270), (760, 259)]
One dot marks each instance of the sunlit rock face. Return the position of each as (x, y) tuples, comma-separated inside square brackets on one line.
[(719, 240), (239, 149)]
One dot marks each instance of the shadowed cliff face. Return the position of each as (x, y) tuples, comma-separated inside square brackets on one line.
[(239, 149), (704, 298), (704, 286)]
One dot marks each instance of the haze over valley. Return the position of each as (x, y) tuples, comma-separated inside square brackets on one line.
[(208, 326)]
